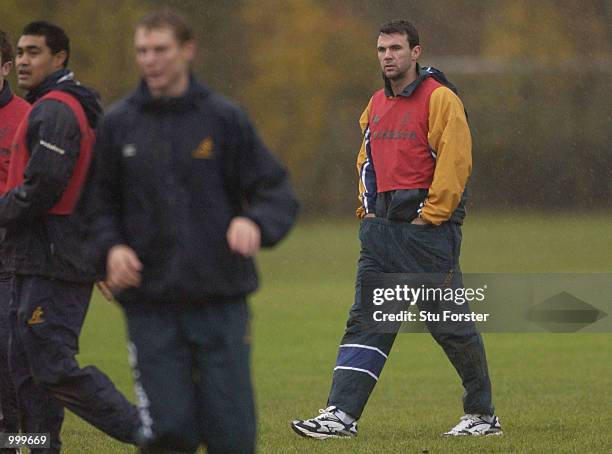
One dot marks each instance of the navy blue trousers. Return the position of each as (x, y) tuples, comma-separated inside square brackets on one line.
[(8, 399), (46, 320), (401, 247), (192, 375)]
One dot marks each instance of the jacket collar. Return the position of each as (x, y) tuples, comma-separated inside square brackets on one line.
[(422, 74), (196, 91), (65, 81), (51, 82)]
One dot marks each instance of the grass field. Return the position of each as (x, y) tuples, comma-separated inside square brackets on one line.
[(552, 391)]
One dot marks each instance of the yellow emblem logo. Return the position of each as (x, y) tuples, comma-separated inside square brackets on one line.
[(204, 150), (36, 317)]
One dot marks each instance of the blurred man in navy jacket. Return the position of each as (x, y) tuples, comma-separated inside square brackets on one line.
[(185, 194)]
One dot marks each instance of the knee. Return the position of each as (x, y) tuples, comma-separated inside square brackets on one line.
[(457, 341)]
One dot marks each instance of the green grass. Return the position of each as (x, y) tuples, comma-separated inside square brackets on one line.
[(552, 391)]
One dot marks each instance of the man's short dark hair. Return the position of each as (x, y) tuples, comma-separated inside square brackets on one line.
[(403, 27), (6, 50), (55, 37), (168, 18)]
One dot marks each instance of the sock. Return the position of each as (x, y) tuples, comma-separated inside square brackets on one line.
[(487, 418), (344, 417)]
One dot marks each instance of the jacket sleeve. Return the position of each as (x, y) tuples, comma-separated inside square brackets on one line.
[(54, 140), (365, 168), (100, 204), (264, 185), (449, 137)]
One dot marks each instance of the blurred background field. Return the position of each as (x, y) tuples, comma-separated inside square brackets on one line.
[(551, 390)]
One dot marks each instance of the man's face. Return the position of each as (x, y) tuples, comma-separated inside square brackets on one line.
[(162, 60), (35, 61), (395, 56)]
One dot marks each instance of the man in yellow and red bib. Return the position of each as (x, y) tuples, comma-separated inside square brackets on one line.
[(43, 247), (413, 167)]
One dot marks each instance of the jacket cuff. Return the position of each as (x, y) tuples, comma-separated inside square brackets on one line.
[(429, 217)]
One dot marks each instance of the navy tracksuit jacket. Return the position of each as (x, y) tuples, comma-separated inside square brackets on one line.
[(168, 178), (169, 175), (52, 278)]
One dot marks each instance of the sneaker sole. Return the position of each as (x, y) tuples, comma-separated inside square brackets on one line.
[(489, 434), (314, 435)]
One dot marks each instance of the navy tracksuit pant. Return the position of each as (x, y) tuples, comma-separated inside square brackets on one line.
[(8, 400), (192, 375), (46, 320), (401, 247)]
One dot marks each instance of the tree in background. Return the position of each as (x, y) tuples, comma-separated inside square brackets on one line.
[(101, 37), (312, 71), (534, 76), (541, 130)]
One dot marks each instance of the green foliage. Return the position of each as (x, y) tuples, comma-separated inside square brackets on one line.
[(534, 76), (100, 37), (311, 76), (540, 125)]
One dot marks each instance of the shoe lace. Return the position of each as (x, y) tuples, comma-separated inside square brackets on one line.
[(465, 421), (326, 412)]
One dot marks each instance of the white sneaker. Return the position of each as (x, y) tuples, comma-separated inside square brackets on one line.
[(475, 425), (326, 425)]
